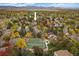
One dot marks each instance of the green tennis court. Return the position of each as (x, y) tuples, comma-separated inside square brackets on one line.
[(36, 42)]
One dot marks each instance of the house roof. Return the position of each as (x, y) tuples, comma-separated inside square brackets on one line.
[(62, 53)]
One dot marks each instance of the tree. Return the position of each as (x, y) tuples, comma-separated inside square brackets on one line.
[(51, 49), (38, 51), (15, 34), (74, 50), (22, 31), (9, 25), (6, 39), (21, 44), (1, 33), (28, 34)]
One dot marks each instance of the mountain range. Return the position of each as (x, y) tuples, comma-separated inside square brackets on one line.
[(40, 5)]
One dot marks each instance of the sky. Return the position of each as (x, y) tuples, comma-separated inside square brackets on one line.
[(64, 5), (39, 1)]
